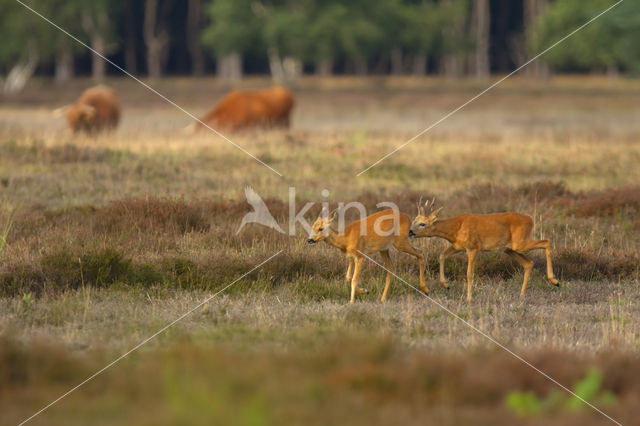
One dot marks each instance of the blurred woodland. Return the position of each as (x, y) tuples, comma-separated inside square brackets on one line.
[(286, 38)]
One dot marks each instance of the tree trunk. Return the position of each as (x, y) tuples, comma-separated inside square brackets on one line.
[(419, 65), (452, 66), (194, 19), (275, 64), (453, 62), (229, 68), (18, 77), (324, 68), (221, 69), (481, 25), (64, 66), (156, 39), (96, 26), (532, 11), (154, 59), (20, 73), (292, 68), (396, 61), (98, 65), (235, 61), (130, 57)]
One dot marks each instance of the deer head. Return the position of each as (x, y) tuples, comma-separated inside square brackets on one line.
[(427, 215), (322, 226)]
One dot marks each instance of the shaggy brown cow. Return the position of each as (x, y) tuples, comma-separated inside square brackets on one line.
[(97, 109), (257, 108)]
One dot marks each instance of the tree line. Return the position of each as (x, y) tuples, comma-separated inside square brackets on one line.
[(289, 37)]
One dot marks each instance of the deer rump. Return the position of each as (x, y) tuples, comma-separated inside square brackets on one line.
[(249, 109)]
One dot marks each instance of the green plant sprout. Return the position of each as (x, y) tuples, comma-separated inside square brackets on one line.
[(587, 389)]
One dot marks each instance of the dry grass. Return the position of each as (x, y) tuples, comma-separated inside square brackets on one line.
[(111, 238), (193, 244), (510, 136)]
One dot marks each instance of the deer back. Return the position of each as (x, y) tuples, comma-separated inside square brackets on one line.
[(492, 231), (377, 231)]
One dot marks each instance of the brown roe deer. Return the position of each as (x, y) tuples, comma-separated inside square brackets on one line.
[(482, 232), (376, 233)]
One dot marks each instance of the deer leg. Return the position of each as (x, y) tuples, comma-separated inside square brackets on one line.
[(550, 276), (447, 252), (406, 247), (356, 274), (471, 254), (350, 274), (387, 265), (423, 286), (526, 263), (543, 244)]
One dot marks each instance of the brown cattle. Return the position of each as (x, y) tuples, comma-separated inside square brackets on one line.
[(247, 109), (97, 109)]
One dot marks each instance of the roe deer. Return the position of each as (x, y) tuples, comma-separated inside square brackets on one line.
[(375, 233), (482, 232)]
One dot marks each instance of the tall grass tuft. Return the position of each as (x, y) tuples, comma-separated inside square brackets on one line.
[(5, 228)]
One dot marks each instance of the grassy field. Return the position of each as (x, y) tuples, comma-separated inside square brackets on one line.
[(103, 241)]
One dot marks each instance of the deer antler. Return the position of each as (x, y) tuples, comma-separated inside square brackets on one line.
[(333, 214), (419, 205), (429, 207)]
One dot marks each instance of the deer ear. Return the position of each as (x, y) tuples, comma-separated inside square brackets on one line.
[(324, 212), (333, 215)]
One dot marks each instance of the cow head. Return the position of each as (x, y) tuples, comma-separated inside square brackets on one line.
[(80, 116)]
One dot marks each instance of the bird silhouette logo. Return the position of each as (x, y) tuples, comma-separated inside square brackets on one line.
[(260, 213)]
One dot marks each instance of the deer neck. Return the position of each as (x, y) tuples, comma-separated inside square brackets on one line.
[(337, 240), (447, 229)]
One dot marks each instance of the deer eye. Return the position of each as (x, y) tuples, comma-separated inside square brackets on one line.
[(423, 224), (321, 229)]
